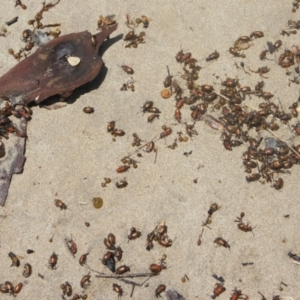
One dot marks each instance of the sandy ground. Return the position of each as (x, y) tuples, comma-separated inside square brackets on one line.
[(69, 153)]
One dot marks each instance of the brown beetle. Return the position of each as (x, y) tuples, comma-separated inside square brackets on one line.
[(134, 234), (14, 259), (53, 261), (121, 184), (257, 34), (155, 268), (117, 288), (84, 282), (245, 227), (253, 177), (18, 288), (167, 131), (150, 146), (213, 208), (161, 288), (185, 57), (152, 117), (241, 225), (212, 56), (127, 69), (165, 242), (122, 269), (145, 20), (88, 110), (278, 184), (154, 110), (27, 270), (236, 295), (60, 204), (111, 238), (71, 246), (218, 290), (147, 105), (4, 289), (118, 253), (109, 261), (109, 245), (221, 242), (236, 53), (129, 36), (111, 126), (118, 132), (83, 257), (67, 289), (9, 286), (122, 169)]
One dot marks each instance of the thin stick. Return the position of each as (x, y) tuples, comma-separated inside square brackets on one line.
[(156, 150), (133, 282), (133, 286), (102, 275), (222, 96)]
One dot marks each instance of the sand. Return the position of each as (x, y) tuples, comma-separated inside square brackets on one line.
[(69, 153)]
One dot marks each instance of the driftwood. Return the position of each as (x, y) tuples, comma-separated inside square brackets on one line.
[(47, 72)]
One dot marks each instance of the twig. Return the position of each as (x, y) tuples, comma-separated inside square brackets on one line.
[(222, 96), (102, 275), (133, 282)]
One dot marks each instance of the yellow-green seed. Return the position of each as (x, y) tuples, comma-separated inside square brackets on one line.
[(97, 202)]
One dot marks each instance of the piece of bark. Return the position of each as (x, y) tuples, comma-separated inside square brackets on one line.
[(173, 295), (47, 72), (13, 161)]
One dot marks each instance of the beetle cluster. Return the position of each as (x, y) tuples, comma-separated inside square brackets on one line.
[(35, 36), (109, 258), (36, 22), (67, 290), (243, 43), (105, 22), (133, 39), (295, 5), (160, 235), (237, 120), (7, 126), (128, 86), (8, 288), (113, 130), (150, 108)]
